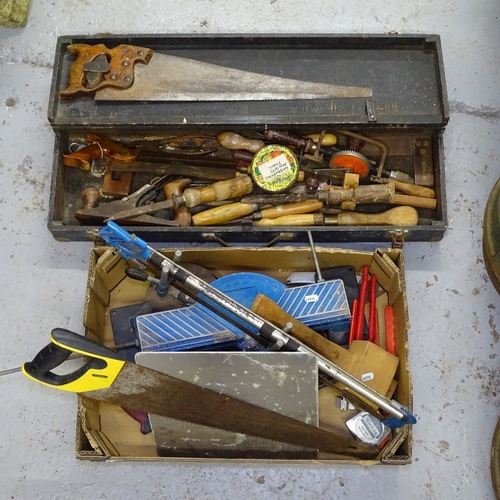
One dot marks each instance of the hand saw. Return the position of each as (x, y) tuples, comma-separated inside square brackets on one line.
[(113, 75), (131, 247), (107, 376)]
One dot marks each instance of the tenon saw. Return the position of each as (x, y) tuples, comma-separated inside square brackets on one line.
[(114, 75)]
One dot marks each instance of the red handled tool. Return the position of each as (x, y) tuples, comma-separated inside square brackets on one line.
[(373, 316), (361, 304), (352, 330), (390, 330)]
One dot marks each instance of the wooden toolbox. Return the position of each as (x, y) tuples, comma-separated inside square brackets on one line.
[(403, 122), (394, 133)]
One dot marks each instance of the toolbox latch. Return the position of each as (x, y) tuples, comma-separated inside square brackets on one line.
[(398, 237), (94, 236), (370, 111)]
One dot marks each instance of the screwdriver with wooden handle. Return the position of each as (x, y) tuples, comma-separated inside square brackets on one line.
[(219, 191), (234, 211), (398, 216)]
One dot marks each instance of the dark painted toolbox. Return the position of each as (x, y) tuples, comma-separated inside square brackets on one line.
[(407, 113)]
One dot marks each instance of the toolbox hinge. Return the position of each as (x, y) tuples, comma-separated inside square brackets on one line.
[(213, 237), (280, 237), (398, 237), (94, 236)]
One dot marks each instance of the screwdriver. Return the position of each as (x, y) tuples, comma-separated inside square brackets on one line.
[(219, 191)]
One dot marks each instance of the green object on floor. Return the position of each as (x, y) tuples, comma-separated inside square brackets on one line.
[(14, 13)]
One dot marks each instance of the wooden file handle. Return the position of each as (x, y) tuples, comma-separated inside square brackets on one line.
[(219, 191)]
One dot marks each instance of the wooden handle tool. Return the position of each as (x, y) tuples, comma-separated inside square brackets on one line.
[(231, 140), (407, 187), (219, 191), (376, 193), (226, 213), (302, 207), (398, 216), (182, 215)]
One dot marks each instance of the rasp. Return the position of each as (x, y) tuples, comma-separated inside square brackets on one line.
[(107, 377), (113, 75)]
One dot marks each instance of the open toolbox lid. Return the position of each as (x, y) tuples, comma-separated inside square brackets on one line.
[(404, 71)]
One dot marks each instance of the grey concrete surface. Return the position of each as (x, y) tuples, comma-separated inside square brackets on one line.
[(454, 312)]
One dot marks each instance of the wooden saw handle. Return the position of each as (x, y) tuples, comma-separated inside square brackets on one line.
[(119, 72)]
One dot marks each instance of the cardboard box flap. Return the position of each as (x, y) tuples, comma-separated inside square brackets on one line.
[(404, 71)]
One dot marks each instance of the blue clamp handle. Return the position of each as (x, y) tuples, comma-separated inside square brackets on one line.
[(129, 245), (396, 423)]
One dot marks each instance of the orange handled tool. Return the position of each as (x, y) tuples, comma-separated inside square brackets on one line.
[(373, 316), (390, 330), (360, 320)]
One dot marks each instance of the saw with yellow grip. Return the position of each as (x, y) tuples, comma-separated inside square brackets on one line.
[(107, 377)]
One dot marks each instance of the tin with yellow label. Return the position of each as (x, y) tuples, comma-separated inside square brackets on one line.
[(274, 168)]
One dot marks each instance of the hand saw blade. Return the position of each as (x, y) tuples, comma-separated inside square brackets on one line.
[(173, 78), (107, 377)]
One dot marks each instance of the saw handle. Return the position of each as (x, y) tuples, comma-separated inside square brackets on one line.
[(98, 372), (119, 72)]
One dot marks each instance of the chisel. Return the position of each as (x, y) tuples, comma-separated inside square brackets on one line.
[(398, 216), (222, 190)]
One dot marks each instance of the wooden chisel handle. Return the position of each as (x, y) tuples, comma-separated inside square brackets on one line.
[(302, 207), (231, 140), (226, 213), (414, 201), (408, 188), (398, 216), (219, 191), (293, 220)]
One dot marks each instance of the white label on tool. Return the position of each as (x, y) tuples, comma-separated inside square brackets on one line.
[(275, 167), (311, 298), (367, 376)]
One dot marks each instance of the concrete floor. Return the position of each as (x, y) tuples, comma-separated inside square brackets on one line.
[(454, 313)]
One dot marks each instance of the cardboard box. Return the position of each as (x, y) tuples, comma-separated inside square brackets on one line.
[(106, 432)]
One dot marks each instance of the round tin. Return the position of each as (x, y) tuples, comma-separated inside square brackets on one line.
[(274, 168)]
